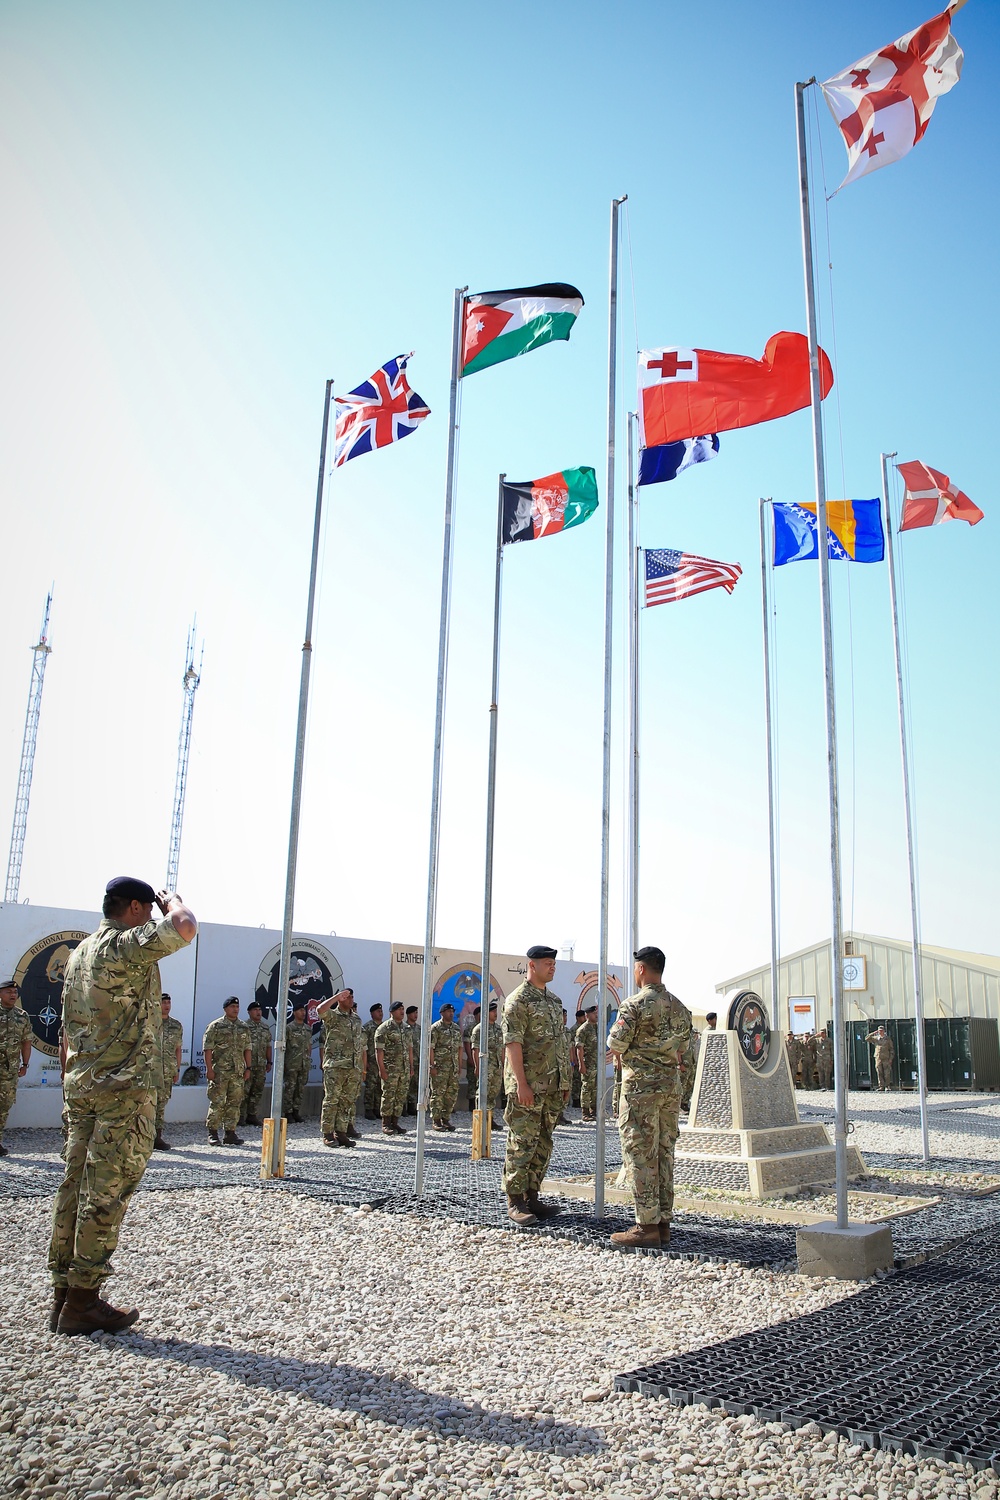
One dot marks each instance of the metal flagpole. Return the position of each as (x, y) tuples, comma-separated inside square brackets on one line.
[(609, 624), (633, 716), (284, 964), (491, 797), (836, 935), (442, 673), (918, 999), (771, 842)]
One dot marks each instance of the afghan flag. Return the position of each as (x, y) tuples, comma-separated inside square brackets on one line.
[(541, 507), (499, 325)]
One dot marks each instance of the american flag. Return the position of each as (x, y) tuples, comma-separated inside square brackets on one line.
[(674, 575), (378, 412)]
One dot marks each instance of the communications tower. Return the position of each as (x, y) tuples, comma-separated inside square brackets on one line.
[(42, 653), (192, 678)]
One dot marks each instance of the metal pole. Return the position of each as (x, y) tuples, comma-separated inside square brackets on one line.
[(836, 935), (609, 624), (633, 716), (918, 999), (491, 797), (771, 842), (427, 997), (281, 1018)]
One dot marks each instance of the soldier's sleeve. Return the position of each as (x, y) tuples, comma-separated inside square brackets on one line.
[(208, 1040), (25, 1028), (623, 1031), (152, 941), (514, 1019)]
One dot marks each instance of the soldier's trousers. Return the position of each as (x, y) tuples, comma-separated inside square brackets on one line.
[(883, 1071), (444, 1093), (588, 1091), (340, 1090), (529, 1141), (373, 1089), (575, 1089), (110, 1139), (411, 1092), (225, 1095), (616, 1098), (253, 1092), (648, 1129), (471, 1083), (825, 1071), (163, 1092), (492, 1090), (394, 1094), (296, 1078), (8, 1092)]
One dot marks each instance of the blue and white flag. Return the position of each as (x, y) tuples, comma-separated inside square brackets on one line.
[(666, 462)]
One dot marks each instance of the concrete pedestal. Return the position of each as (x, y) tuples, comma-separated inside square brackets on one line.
[(851, 1254)]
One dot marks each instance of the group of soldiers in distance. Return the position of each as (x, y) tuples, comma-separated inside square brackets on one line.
[(810, 1057)]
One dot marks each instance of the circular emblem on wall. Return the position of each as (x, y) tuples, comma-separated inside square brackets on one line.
[(748, 1018), (40, 973), (461, 987), (314, 974)]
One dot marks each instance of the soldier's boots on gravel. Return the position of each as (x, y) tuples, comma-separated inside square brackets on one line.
[(84, 1312), (640, 1237), (519, 1212)]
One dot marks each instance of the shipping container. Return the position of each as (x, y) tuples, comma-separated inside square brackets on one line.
[(962, 1053)]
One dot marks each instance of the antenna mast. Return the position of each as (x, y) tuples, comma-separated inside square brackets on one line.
[(192, 678), (42, 653)]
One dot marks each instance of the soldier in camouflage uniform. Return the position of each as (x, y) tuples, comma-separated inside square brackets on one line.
[(885, 1054), (395, 1064), (373, 1078), (226, 1045), (651, 1036), (586, 1061), (445, 1051), (809, 1061), (298, 1062), (824, 1059), (15, 1049), (494, 1044), (793, 1051), (343, 1050), (537, 1086), (577, 1083), (413, 1027), (261, 1056), (111, 1016), (171, 1040), (471, 1075)]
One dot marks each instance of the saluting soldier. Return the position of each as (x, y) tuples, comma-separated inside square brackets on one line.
[(261, 1057), (342, 1045), (824, 1059), (413, 1027), (15, 1049), (395, 1065), (373, 1078), (651, 1035), (494, 1067), (586, 1058), (885, 1054), (171, 1042), (445, 1051), (226, 1046), (298, 1061), (536, 1086)]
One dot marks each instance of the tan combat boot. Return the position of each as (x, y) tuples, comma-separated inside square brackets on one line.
[(343, 1139), (58, 1298), (538, 1208), (85, 1312), (639, 1237), (519, 1212), (664, 1234)]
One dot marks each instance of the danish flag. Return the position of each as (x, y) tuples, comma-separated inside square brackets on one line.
[(378, 412), (883, 104)]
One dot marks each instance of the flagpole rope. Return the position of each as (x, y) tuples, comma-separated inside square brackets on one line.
[(772, 688), (631, 275), (895, 483)]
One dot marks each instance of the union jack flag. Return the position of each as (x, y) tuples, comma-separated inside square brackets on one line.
[(378, 412)]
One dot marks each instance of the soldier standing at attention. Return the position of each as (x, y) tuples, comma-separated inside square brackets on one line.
[(651, 1036), (413, 1026), (885, 1054), (395, 1065), (111, 1017), (260, 1064), (793, 1052), (342, 1040), (446, 1049), (298, 1061), (824, 1059), (577, 1083), (373, 1079), (495, 1060), (809, 1061), (171, 1041), (226, 1046), (471, 1075), (586, 1060), (15, 1049), (536, 1086)]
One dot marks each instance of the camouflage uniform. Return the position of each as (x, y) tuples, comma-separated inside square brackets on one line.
[(793, 1048), (809, 1062), (171, 1037), (532, 1017), (15, 1028), (228, 1041), (494, 1045), (824, 1059), (111, 1016), (392, 1038), (690, 1070), (253, 1092), (343, 1047), (586, 1041), (298, 1062), (373, 1079), (446, 1046), (411, 1093), (651, 1035), (885, 1054), (471, 1075)]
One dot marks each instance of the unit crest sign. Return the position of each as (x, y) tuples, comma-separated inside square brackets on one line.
[(40, 973)]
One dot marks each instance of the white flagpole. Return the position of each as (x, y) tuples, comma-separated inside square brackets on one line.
[(609, 625), (771, 840), (491, 796), (284, 963), (918, 999), (836, 934), (427, 996), (633, 717)]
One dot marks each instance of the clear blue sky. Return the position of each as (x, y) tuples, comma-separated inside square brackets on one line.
[(211, 209)]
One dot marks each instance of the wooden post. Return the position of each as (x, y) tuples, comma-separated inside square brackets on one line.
[(272, 1162)]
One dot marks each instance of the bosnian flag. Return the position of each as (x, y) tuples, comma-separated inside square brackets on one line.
[(883, 104), (500, 325), (541, 507), (683, 392), (656, 465), (931, 498), (378, 412)]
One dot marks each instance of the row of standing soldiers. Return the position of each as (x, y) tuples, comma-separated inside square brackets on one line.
[(810, 1058)]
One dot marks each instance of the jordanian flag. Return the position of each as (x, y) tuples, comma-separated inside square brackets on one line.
[(540, 507), (499, 325)]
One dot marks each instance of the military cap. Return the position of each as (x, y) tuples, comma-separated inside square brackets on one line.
[(231, 1000), (298, 1005), (9, 984), (655, 958), (127, 888), (254, 1005), (478, 1010), (396, 1005), (541, 951), (590, 1010), (493, 1005), (373, 1008), (447, 1006), (411, 1010)]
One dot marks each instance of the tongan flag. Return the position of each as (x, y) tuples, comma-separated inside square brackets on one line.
[(540, 507), (931, 498), (378, 412), (853, 532), (656, 465), (883, 104), (500, 325), (674, 575), (686, 391)]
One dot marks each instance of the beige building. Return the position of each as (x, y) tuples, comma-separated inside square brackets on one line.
[(878, 983)]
